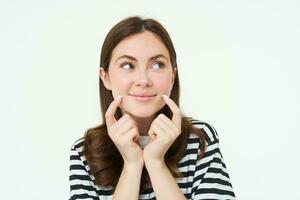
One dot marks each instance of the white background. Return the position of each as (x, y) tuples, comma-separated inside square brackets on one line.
[(239, 71)]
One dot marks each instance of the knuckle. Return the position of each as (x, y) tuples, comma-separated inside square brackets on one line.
[(132, 122), (170, 137), (134, 130), (177, 132), (107, 115), (155, 120), (174, 137), (161, 115), (177, 112), (124, 117), (166, 140)]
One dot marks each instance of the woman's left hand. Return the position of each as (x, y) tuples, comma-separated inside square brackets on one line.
[(163, 132)]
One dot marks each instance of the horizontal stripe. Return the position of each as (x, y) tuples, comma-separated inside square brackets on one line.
[(206, 178), (83, 197), (213, 196), (212, 190)]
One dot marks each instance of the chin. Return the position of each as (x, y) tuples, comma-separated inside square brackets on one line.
[(142, 113)]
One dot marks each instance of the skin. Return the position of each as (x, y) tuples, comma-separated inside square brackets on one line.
[(140, 76), (127, 76)]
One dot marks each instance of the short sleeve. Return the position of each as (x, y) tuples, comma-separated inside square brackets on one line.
[(211, 179), (81, 184)]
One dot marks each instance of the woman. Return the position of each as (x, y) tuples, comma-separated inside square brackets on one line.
[(145, 148)]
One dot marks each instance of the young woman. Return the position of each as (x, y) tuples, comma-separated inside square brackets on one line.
[(145, 148)]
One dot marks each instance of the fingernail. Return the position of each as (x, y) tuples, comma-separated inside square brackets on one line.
[(165, 96), (118, 97)]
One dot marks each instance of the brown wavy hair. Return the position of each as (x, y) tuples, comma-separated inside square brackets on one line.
[(102, 156)]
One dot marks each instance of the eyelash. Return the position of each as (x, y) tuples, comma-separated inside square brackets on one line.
[(128, 63)]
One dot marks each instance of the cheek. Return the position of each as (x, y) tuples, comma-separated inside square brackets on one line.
[(120, 86), (164, 84)]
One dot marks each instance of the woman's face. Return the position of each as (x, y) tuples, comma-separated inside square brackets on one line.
[(140, 71)]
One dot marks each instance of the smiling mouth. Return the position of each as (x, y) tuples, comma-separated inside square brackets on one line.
[(143, 97)]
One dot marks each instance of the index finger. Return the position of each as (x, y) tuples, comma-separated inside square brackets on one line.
[(110, 113), (176, 118)]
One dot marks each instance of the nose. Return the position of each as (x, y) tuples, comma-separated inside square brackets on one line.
[(143, 79)]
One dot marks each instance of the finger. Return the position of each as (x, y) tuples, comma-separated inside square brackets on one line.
[(154, 126), (136, 139), (131, 135), (110, 113), (128, 124), (164, 124), (173, 128), (161, 133), (131, 124), (176, 118), (165, 119), (125, 119), (120, 126), (151, 133)]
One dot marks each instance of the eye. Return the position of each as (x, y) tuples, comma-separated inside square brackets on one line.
[(158, 65), (126, 65)]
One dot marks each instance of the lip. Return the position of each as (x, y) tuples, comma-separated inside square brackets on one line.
[(143, 97)]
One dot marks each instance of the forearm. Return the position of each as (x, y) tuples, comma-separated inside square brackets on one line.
[(163, 183), (129, 183)]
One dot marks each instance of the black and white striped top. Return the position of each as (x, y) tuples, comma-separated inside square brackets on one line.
[(206, 178)]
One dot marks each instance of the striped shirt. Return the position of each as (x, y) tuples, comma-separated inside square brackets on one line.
[(206, 178)]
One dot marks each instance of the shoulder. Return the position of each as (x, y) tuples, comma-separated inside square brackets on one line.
[(78, 160), (78, 145), (209, 132), (194, 148)]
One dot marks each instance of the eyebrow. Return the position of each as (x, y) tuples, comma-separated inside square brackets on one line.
[(150, 59)]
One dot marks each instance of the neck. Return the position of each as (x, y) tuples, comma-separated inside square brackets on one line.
[(143, 124)]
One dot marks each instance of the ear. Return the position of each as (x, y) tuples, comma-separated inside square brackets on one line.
[(105, 78)]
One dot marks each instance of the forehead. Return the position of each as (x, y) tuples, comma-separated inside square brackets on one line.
[(141, 46)]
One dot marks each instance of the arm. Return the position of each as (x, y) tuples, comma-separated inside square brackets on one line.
[(163, 183), (129, 183), (163, 132), (123, 133), (211, 179)]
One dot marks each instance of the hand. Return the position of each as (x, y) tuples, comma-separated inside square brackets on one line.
[(124, 134), (163, 132)]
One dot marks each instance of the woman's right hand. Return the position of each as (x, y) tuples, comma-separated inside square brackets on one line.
[(124, 133)]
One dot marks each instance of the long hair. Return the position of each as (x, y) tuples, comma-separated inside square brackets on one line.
[(102, 156)]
